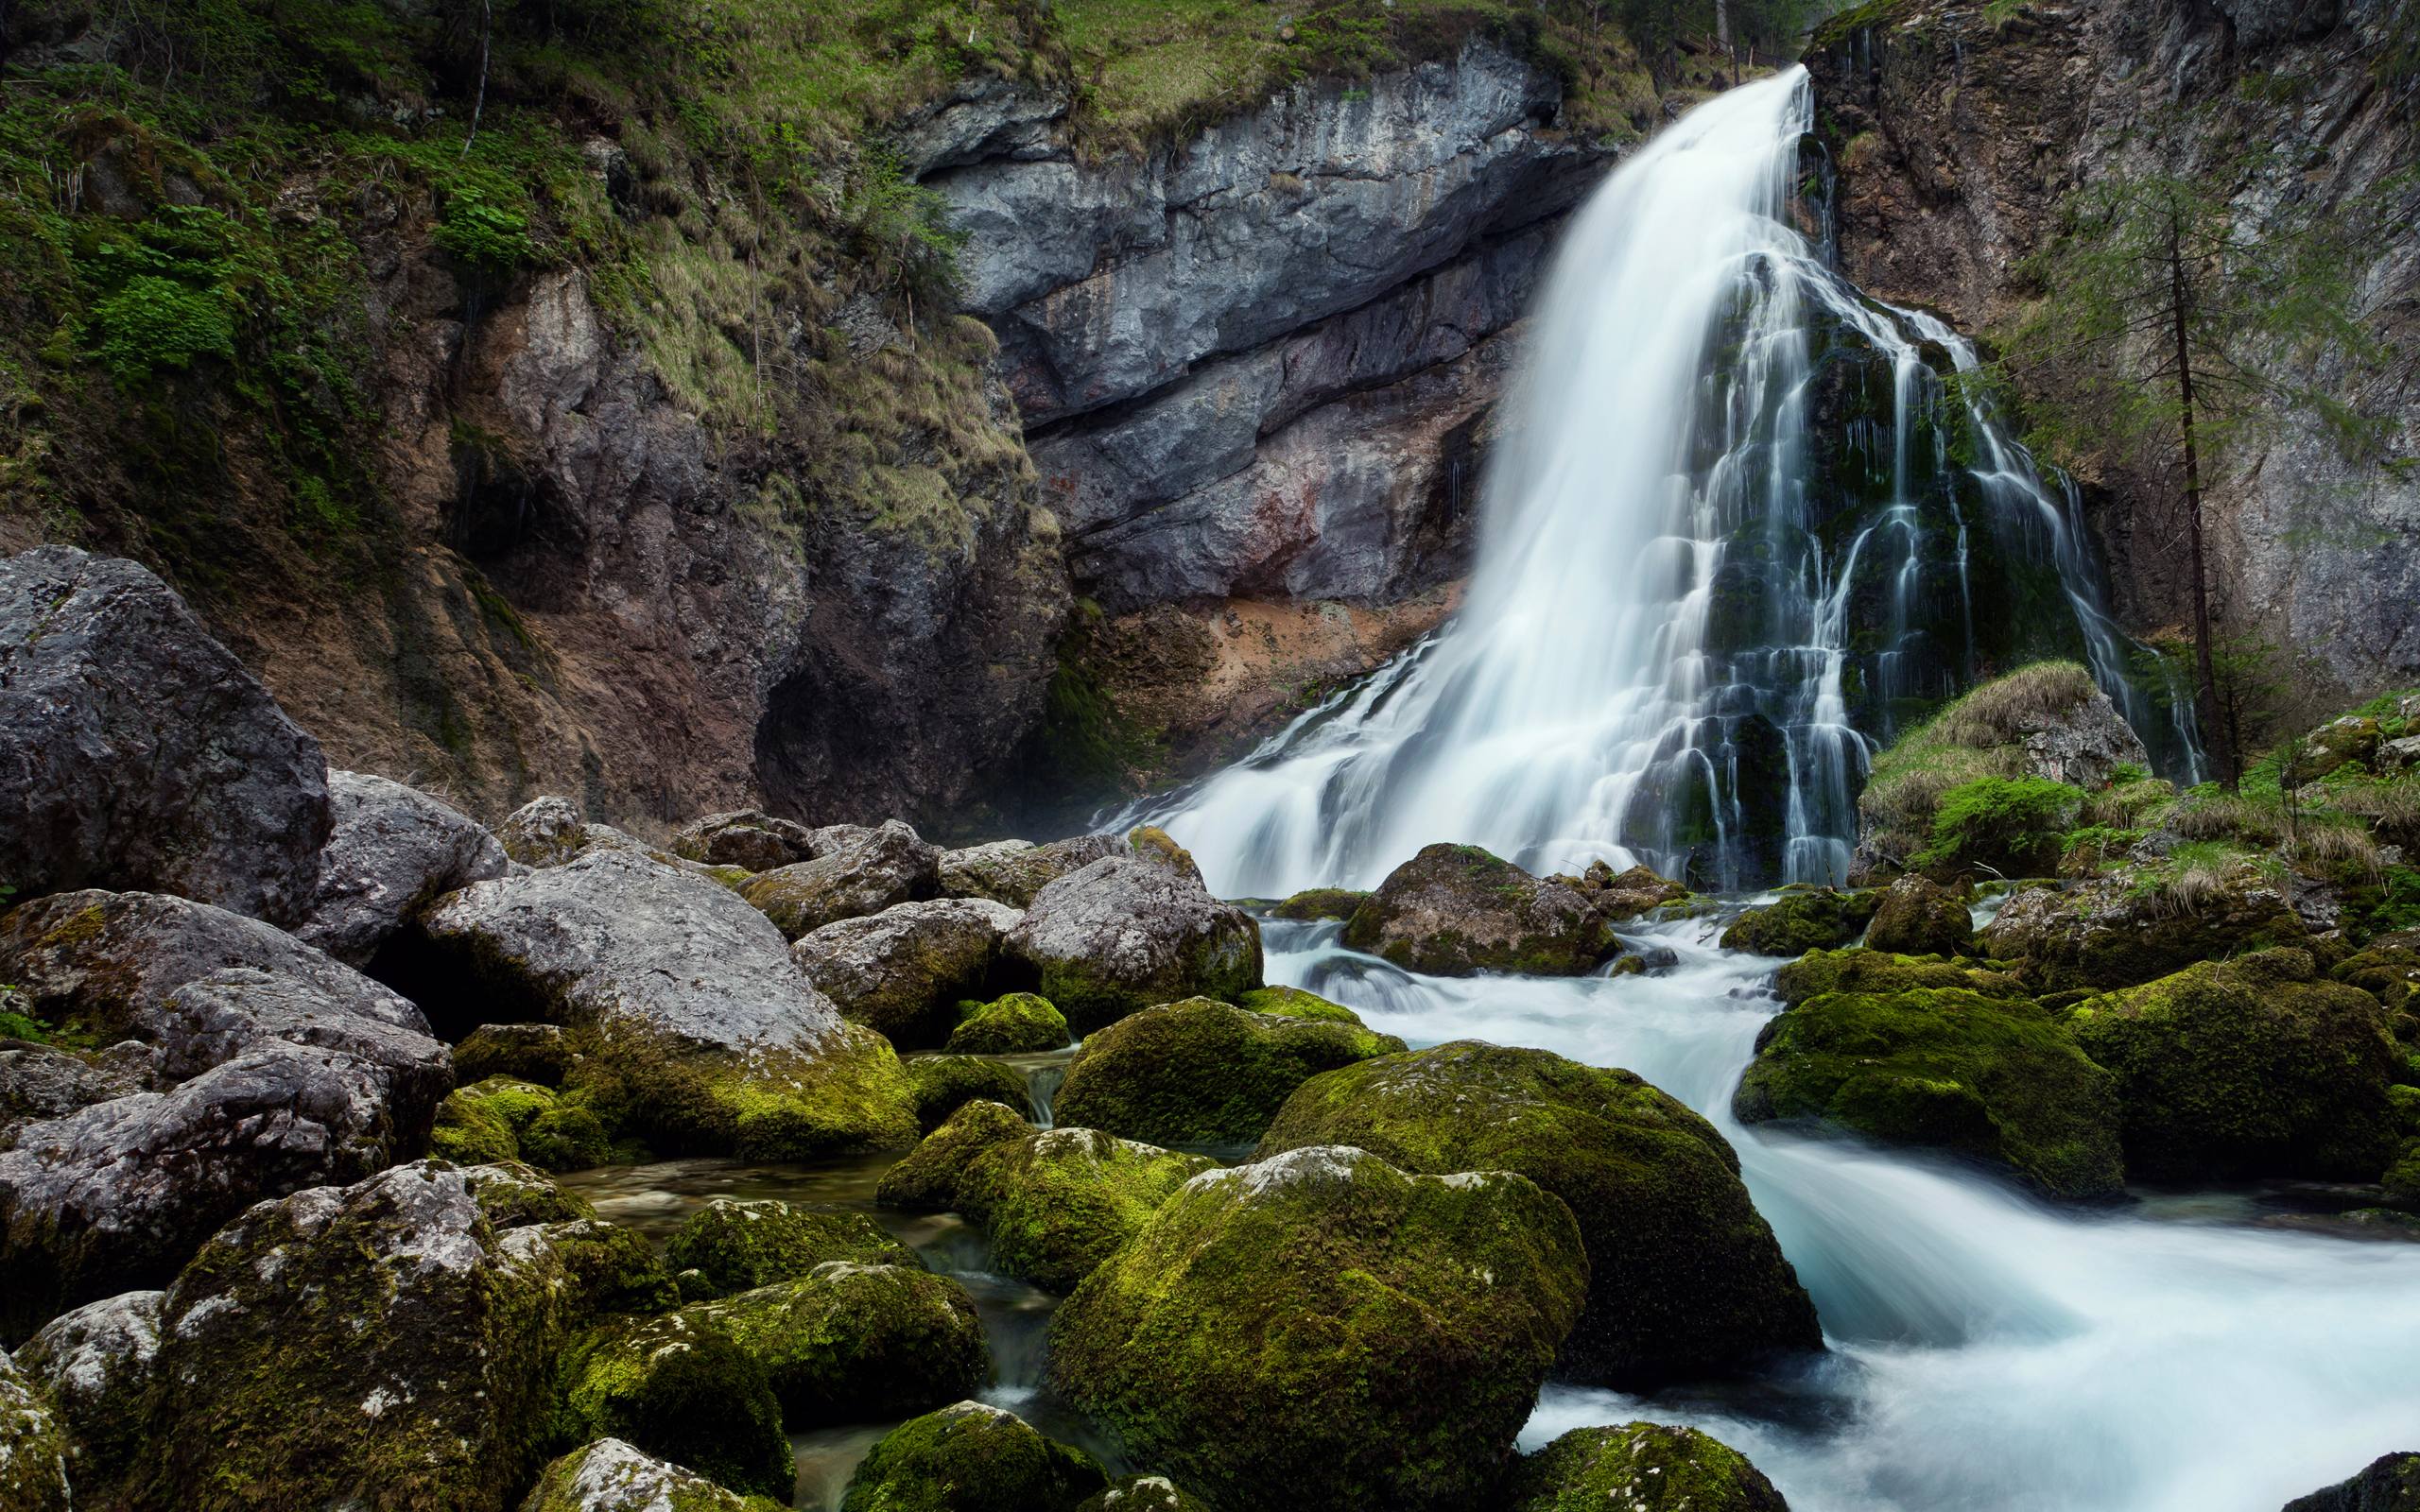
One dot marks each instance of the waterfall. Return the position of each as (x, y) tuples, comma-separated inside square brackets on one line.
[(1740, 531)]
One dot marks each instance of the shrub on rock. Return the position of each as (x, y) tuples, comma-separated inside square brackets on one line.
[(1018, 1023), (1455, 909), (392, 853), (2248, 1068), (1802, 919), (854, 873), (612, 1475), (737, 1246), (1204, 1072), (1128, 930), (1919, 916), (903, 971), (944, 1084), (1012, 871), (2008, 826), (1405, 1322), (1685, 1278), (970, 1458), (1639, 1468)]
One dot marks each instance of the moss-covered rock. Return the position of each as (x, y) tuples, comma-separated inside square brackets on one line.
[(1455, 909), (736, 1246), (1012, 871), (1130, 931), (749, 839), (2390, 1483), (2389, 973), (1204, 1072), (925, 1180), (2134, 925), (1056, 1203), (1322, 1330), (501, 1119), (537, 1053), (856, 1343), (904, 970), (1639, 1468), (1685, 1278), (2247, 1068), (683, 1392), (850, 1093), (1919, 916), (1015, 1024), (1873, 970), (856, 873), (1293, 1002), (1320, 903), (33, 1448), (1142, 1494), (1996, 1077), (95, 1365), (1802, 920), (944, 1084), (612, 1475), (970, 1458)]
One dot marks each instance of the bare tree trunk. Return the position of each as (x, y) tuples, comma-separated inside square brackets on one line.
[(487, 29), (2214, 724)]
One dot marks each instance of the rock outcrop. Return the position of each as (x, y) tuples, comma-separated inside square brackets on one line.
[(1130, 931), (1455, 909), (393, 852)]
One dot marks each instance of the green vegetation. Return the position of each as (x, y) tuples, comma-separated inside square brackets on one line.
[(2008, 826), (1641, 1467), (1979, 736), (1804, 919), (736, 1246), (970, 1457), (1204, 1073)]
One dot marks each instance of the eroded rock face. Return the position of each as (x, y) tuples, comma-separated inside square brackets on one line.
[(136, 752), (904, 971), (1455, 909), (1130, 931), (1411, 1338), (393, 852)]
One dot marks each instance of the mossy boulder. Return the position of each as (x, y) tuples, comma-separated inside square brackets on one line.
[(613, 1475), (95, 1366), (501, 1119), (856, 1343), (1018, 1023), (1685, 1278), (1320, 903), (681, 1391), (970, 1458), (925, 1178), (737, 1246), (1322, 1330), (1204, 1072), (1623, 896), (1130, 931), (1293, 1002), (1920, 917), (1455, 909), (1802, 920), (33, 1448), (2252, 1067), (904, 971), (2387, 973), (2390, 1482), (1012, 871), (2135, 926), (856, 873), (1996, 1078), (749, 839), (1862, 969), (1142, 1494), (944, 1084), (848, 1093), (540, 1052), (1639, 1468)]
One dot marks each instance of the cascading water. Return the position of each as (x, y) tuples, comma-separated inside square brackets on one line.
[(1740, 531)]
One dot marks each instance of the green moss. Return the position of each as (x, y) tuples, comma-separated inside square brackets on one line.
[(947, 1082), (1813, 919), (1320, 903), (1872, 970), (1017, 1023), (971, 1458), (736, 1247), (2008, 826), (1202, 1072), (682, 1392), (1453, 910), (1686, 1278), (502, 1119), (1640, 1467), (850, 1096), (570, 1484), (1057, 1203), (854, 1343), (1948, 1068), (926, 1179), (1293, 1002)]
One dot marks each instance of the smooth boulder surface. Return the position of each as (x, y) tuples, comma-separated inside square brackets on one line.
[(1018, 1023), (738, 1245), (1924, 1054), (1455, 909), (749, 839), (1012, 871), (1802, 920), (1639, 1468), (855, 872), (613, 1475), (970, 1458), (2390, 1482), (1685, 1278), (1128, 930), (1403, 1323), (33, 1450), (2252, 1067), (393, 852), (2113, 931), (136, 753), (1202, 1072), (903, 971), (1920, 917), (96, 1366), (704, 1034)]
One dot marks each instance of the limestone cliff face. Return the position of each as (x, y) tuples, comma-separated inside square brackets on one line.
[(1955, 138)]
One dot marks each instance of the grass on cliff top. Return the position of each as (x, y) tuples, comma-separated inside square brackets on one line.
[(1968, 740)]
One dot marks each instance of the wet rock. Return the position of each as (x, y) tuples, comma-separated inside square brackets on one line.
[(1686, 1278), (1918, 916), (1455, 909), (1126, 932), (970, 1458), (1410, 1337), (1018, 1023), (1204, 1072), (856, 873), (1640, 1467), (2390, 1482), (903, 971), (2248, 1068), (852, 1342), (1320, 903), (944, 1084), (2117, 932), (500, 1118), (393, 852), (685, 1393), (540, 1052), (33, 1450), (96, 1366), (1969, 1068), (612, 1475), (1804, 918), (702, 1033), (137, 754), (736, 1246), (383, 1343), (751, 839), (1012, 871)]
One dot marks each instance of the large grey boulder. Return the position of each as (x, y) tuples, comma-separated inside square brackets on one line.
[(33, 1450), (136, 752), (1455, 909), (1130, 931), (749, 839), (1012, 871), (904, 971), (695, 1021), (40, 1082), (613, 1475), (855, 871), (95, 1364), (395, 849)]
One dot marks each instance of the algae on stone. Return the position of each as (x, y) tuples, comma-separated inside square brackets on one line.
[(1639, 1468), (944, 1084), (854, 1343), (1017, 1024), (970, 1458), (737, 1246), (1204, 1073), (1802, 920), (502, 1119)]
